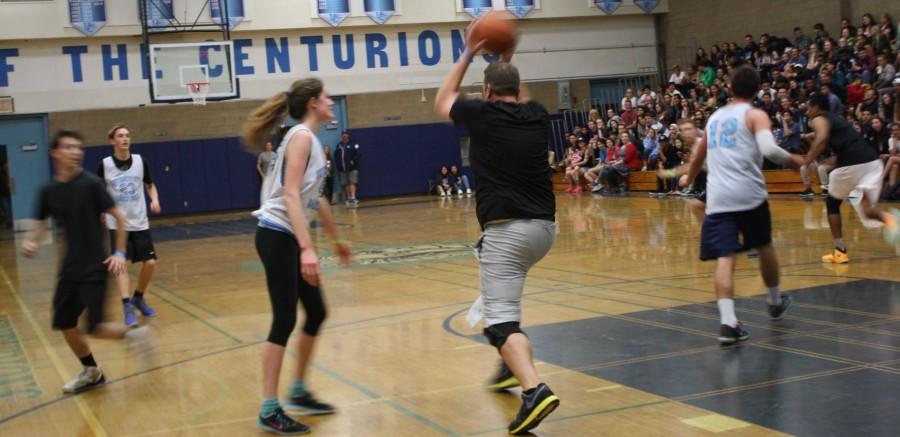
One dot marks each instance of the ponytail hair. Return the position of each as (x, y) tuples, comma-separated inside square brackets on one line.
[(263, 120)]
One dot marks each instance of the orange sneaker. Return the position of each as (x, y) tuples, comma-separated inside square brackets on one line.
[(836, 257)]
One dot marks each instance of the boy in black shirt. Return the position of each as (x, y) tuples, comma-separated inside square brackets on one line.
[(76, 200), (516, 208)]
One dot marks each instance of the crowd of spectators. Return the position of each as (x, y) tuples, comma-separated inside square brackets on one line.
[(855, 65)]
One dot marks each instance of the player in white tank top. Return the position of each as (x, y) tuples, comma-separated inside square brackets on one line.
[(291, 198), (126, 186), (737, 137)]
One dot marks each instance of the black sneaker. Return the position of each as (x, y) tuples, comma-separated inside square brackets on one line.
[(535, 407), (308, 404), (808, 194), (776, 312), (729, 335), (280, 423), (504, 379)]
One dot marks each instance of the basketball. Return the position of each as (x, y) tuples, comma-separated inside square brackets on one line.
[(498, 31)]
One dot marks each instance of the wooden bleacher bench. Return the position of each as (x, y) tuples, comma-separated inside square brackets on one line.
[(777, 181)]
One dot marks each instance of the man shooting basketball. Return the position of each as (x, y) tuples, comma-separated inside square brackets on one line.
[(516, 209)]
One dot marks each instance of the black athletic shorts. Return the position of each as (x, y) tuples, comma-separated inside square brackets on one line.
[(138, 248), (73, 297), (721, 234)]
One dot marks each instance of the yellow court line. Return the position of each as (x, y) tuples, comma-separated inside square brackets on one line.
[(608, 387), (86, 411)]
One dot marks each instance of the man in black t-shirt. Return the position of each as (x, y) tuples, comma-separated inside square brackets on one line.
[(516, 208), (858, 168), (76, 200)]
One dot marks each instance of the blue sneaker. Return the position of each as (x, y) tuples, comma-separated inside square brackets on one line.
[(141, 305), (130, 318)]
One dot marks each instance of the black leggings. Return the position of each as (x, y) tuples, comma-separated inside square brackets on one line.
[(280, 256)]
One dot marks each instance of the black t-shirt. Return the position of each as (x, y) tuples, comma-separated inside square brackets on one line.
[(77, 205), (125, 165), (849, 146), (508, 151)]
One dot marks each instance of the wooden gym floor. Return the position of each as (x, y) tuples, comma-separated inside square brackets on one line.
[(621, 314)]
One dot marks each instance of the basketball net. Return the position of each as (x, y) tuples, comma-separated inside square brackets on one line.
[(198, 92)]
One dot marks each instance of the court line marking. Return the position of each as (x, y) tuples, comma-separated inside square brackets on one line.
[(199, 319), (608, 387), (86, 412), (190, 302)]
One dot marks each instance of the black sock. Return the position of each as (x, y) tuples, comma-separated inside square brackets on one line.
[(88, 361), (138, 294), (125, 300)]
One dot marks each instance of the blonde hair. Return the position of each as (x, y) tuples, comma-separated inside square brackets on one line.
[(112, 131), (264, 119)]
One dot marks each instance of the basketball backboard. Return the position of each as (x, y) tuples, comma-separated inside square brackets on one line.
[(176, 66)]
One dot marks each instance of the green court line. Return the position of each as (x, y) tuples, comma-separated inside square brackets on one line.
[(199, 319), (190, 302), (373, 395)]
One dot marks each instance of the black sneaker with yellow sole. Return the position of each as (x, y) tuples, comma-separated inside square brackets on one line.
[(536, 406), (503, 380)]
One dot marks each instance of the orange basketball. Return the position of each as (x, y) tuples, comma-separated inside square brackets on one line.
[(498, 31)]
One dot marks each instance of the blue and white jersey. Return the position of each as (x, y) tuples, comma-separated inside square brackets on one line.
[(735, 181), (127, 189), (273, 212)]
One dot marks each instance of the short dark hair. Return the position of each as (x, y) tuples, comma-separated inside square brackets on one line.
[(797, 28), (748, 36), (346, 132), (818, 100), (745, 82), (819, 26), (65, 133), (503, 78)]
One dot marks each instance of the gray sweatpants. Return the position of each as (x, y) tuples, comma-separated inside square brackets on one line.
[(505, 253)]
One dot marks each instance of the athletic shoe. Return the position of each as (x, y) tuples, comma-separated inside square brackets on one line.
[(89, 378), (577, 190), (808, 194), (570, 190), (776, 312), (729, 335), (752, 254), (892, 228), (535, 407), (280, 423), (141, 305), (130, 319), (504, 379), (354, 201), (468, 191), (836, 257), (825, 192), (596, 188), (654, 194), (308, 404)]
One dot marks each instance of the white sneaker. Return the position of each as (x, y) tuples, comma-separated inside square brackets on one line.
[(141, 341), (89, 378), (468, 191), (460, 195)]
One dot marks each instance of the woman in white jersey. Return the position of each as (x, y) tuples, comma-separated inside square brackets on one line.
[(284, 244)]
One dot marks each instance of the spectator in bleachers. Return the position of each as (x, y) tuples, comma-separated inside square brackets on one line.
[(847, 26), (834, 102), (750, 47), (869, 102), (800, 40), (885, 74), (647, 98), (629, 115), (876, 133), (855, 91), (574, 158), (886, 108), (791, 131), (612, 117), (677, 76), (592, 131), (444, 183), (820, 34), (596, 175), (629, 98), (892, 162), (650, 153)]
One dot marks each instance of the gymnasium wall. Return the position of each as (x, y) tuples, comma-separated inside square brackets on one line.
[(702, 23)]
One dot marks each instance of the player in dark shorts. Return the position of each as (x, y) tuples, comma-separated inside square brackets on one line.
[(76, 199), (126, 175), (516, 208), (858, 168)]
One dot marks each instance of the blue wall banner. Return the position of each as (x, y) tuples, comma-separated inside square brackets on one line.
[(477, 8), (333, 11), (160, 13), (608, 6), (88, 16), (235, 12), (647, 5), (519, 8), (380, 10)]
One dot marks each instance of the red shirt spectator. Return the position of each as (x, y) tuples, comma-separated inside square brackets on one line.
[(855, 91), (632, 159), (629, 116)]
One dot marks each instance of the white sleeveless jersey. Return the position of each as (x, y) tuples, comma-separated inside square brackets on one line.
[(735, 181), (273, 212), (127, 190)]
